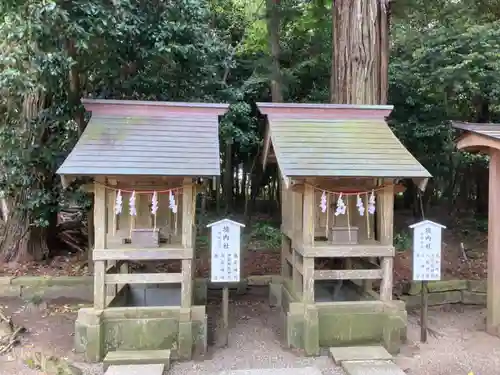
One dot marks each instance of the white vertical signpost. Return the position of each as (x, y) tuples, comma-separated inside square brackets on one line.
[(225, 261), (426, 262)]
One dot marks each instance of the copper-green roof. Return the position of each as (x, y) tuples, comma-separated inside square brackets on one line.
[(127, 137), (340, 148)]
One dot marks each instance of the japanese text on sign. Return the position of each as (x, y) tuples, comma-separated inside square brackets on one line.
[(225, 252), (427, 252)]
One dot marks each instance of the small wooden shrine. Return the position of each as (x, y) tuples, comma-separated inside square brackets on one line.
[(145, 159), (485, 138), (340, 166)]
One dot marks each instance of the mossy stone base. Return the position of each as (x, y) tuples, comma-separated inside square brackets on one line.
[(183, 331), (435, 299), (331, 324)]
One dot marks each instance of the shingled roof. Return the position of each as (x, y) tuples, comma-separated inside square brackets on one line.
[(486, 129), (312, 140), (147, 138)]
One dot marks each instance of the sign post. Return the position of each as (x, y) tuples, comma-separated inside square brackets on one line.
[(225, 261), (426, 263)]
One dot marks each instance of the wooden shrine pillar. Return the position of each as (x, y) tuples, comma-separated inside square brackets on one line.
[(100, 241), (493, 288), (308, 241), (297, 226), (385, 235), (188, 212)]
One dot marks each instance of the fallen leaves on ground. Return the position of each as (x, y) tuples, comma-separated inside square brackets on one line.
[(70, 265), (453, 267)]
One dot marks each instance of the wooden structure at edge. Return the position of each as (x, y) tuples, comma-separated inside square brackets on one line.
[(112, 253), (485, 138), (305, 228)]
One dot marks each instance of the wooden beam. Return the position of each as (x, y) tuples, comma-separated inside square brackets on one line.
[(493, 283), (308, 216), (143, 278), (187, 283), (308, 277), (386, 284), (187, 213), (346, 251), (99, 285), (347, 274), (474, 142), (143, 254), (100, 241), (386, 215), (386, 234)]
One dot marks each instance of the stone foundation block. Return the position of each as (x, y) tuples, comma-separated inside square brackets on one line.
[(446, 285), (477, 286), (310, 327), (275, 294), (311, 331), (185, 341), (131, 328), (394, 334), (473, 298)]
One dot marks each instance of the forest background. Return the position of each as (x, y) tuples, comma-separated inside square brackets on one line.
[(444, 64)]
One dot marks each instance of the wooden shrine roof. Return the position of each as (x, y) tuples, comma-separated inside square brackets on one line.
[(488, 129), (147, 138), (312, 140)]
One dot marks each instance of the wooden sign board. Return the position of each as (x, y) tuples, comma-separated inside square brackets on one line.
[(427, 250), (225, 251)]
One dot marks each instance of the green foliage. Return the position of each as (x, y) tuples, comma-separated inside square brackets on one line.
[(445, 65), (132, 50), (402, 241), (202, 241), (267, 235)]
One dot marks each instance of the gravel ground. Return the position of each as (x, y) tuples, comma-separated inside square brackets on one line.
[(461, 345)]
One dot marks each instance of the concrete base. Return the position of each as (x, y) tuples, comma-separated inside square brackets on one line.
[(135, 370), (182, 331), (345, 323), (372, 368), (359, 353), (275, 371), (139, 357)]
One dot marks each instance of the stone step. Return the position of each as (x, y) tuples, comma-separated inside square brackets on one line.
[(275, 371), (137, 357), (371, 368), (359, 353), (156, 369)]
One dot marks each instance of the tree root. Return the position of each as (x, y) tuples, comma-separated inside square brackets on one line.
[(9, 334)]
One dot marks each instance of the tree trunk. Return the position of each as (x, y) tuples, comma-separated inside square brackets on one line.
[(273, 29), (244, 179), (228, 176), (360, 52), (21, 239), (74, 93), (218, 197)]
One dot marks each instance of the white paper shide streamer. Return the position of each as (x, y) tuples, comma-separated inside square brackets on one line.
[(341, 207), (360, 205), (323, 204), (132, 209), (154, 203), (172, 204), (118, 203), (371, 203)]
